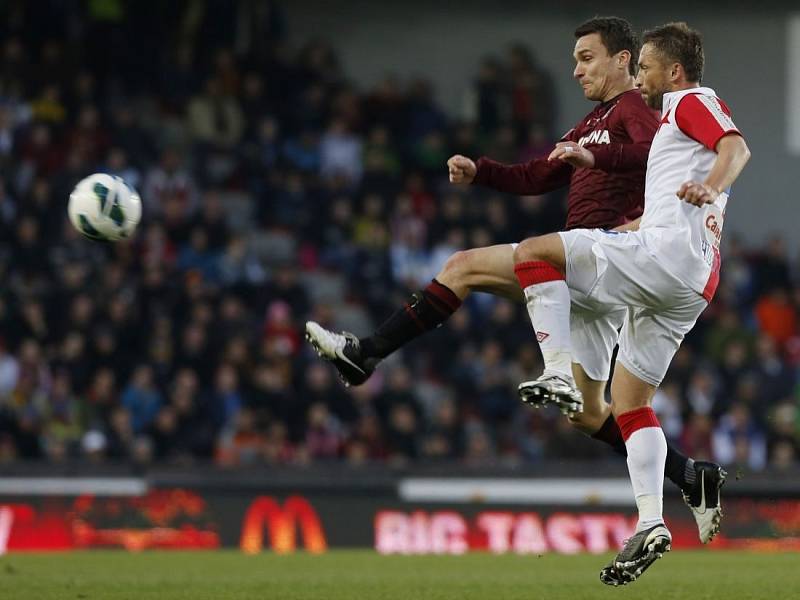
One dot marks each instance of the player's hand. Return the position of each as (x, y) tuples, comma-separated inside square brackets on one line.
[(574, 154), (461, 169), (697, 194)]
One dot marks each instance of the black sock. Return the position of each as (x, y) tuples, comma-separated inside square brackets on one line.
[(426, 310), (678, 468), (610, 433)]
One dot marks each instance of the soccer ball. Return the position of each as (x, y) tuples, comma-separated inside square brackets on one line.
[(104, 208)]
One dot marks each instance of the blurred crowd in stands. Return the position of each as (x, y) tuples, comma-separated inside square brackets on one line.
[(276, 190)]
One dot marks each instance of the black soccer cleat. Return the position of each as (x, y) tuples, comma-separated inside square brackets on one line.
[(609, 575), (704, 498), (344, 351), (640, 551)]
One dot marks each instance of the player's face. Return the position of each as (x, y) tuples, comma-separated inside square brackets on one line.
[(653, 79), (594, 67)]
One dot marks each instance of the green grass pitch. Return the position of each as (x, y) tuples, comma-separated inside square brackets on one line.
[(116, 575)]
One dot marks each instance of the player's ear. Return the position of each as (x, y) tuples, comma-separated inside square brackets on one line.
[(676, 72), (623, 59)]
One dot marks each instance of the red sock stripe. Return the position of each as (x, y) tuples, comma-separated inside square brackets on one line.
[(444, 294), (440, 307), (415, 318), (536, 271), (636, 419)]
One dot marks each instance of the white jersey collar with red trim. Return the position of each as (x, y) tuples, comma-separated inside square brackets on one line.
[(671, 99)]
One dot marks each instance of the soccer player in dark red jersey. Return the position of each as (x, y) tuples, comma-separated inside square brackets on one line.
[(603, 161)]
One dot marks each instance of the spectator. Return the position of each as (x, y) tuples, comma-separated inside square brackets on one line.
[(340, 153), (119, 435), (737, 440), (9, 372), (227, 400), (243, 443), (215, 117), (278, 447), (776, 316), (168, 182), (324, 435), (141, 398), (696, 438), (402, 437)]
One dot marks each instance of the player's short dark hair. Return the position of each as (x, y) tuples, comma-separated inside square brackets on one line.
[(615, 33), (677, 42)]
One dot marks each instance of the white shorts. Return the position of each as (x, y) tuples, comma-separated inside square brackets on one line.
[(593, 335), (614, 278)]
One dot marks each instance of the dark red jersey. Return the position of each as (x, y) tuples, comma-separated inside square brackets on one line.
[(618, 133)]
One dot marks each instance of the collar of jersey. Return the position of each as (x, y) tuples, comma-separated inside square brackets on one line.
[(671, 99), (615, 98)]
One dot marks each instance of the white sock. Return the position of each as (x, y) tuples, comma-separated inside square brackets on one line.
[(647, 452), (548, 307)]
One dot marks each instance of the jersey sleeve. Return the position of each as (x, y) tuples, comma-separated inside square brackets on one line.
[(705, 119), (537, 176), (640, 124)]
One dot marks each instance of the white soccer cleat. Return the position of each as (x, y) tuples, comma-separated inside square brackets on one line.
[(552, 388), (344, 351)]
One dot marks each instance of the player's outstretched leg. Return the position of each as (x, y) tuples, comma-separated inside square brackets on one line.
[(356, 359), (489, 269)]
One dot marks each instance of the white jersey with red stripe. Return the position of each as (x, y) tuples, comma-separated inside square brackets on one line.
[(685, 238)]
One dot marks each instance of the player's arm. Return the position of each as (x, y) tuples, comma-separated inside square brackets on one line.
[(732, 156), (707, 120), (537, 176), (532, 178)]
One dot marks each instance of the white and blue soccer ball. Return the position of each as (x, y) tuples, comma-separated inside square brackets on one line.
[(104, 208)]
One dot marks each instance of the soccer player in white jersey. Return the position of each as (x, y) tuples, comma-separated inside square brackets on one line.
[(664, 273)]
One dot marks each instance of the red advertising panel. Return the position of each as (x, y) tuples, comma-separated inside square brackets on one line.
[(175, 518), (159, 519)]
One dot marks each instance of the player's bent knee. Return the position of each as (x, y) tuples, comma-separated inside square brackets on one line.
[(463, 267), (527, 250), (546, 247), (628, 404), (457, 266)]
